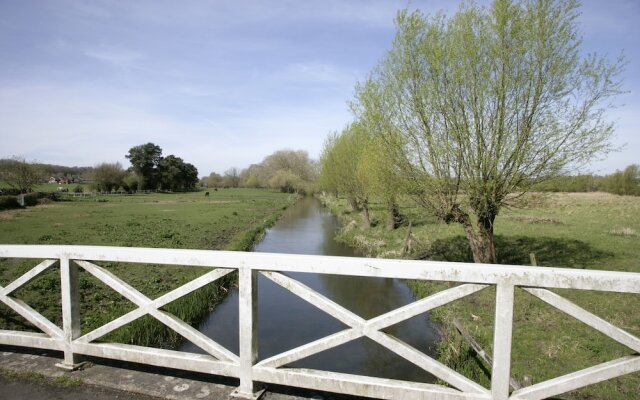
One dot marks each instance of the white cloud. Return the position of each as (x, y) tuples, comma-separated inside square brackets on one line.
[(119, 57), (78, 127), (315, 73), (220, 84)]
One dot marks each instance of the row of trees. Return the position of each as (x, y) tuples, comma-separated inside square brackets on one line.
[(157, 172), (149, 171), (286, 170), (19, 174), (625, 182), (354, 164), (464, 112)]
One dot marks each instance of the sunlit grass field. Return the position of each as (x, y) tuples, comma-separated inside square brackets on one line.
[(229, 219), (576, 230)]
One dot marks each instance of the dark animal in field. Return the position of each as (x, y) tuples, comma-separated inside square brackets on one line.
[(206, 194), (216, 189)]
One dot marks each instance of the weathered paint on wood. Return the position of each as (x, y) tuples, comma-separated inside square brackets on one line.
[(221, 361), (480, 351)]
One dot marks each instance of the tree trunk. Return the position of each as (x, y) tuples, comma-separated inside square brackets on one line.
[(481, 239), (394, 218), (365, 214), (354, 204)]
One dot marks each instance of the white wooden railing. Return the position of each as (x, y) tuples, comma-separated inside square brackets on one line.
[(245, 366)]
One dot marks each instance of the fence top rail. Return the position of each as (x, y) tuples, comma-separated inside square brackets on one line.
[(601, 280)]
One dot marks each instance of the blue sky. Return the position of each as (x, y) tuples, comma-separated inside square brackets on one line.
[(222, 83)]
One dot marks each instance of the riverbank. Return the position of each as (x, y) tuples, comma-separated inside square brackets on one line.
[(287, 321), (229, 219), (591, 231)]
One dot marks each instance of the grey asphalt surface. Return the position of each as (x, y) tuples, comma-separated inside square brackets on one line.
[(27, 389)]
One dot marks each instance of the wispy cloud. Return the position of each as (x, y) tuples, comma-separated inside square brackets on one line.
[(118, 57), (221, 83), (70, 126), (312, 73)]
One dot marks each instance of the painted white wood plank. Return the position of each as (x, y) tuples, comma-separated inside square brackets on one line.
[(194, 336), (377, 323), (576, 380), (30, 339), (115, 283), (112, 325), (357, 385), (28, 276), (506, 277), (627, 282), (173, 322), (159, 357), (579, 313), (190, 287), (310, 349), (422, 305), (361, 326), (427, 363), (503, 328), (155, 304), (322, 302), (248, 330), (33, 317), (70, 293)]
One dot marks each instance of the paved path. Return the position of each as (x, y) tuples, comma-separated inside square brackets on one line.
[(12, 388), (24, 374)]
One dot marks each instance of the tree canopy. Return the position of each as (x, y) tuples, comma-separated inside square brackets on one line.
[(144, 162), (479, 106), (341, 167), (158, 172), (108, 176), (177, 175), (20, 174)]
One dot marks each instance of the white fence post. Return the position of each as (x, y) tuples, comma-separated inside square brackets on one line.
[(221, 361), (248, 329), (70, 311), (502, 342)]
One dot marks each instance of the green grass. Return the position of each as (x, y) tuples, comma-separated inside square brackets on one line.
[(229, 219), (590, 231)]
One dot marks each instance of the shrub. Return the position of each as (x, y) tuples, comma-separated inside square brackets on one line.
[(9, 191), (31, 199), (9, 203)]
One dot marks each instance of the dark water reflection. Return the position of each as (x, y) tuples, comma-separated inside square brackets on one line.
[(285, 321)]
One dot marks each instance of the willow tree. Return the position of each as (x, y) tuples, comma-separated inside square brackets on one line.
[(380, 180), (341, 170), (479, 106)]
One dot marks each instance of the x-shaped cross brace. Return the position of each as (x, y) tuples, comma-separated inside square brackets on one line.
[(360, 327)]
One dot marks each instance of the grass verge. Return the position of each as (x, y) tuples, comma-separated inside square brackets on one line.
[(229, 219), (589, 231)]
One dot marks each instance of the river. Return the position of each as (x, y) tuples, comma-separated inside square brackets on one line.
[(285, 321)]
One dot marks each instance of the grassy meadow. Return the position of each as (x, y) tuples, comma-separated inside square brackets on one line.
[(228, 219), (576, 230)]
